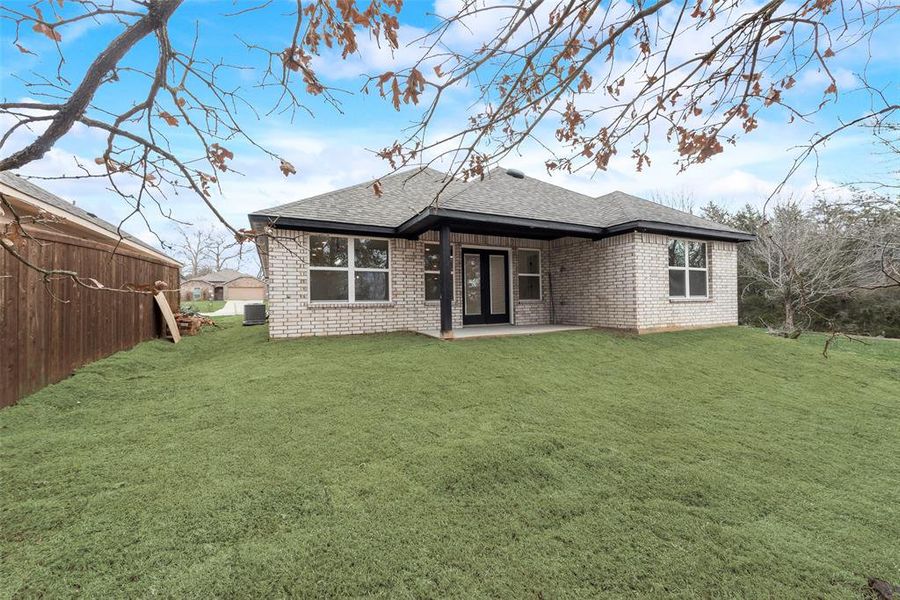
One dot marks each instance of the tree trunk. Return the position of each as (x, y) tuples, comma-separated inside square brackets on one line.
[(788, 316)]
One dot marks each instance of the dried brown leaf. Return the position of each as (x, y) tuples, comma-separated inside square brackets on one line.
[(168, 118), (47, 31), (287, 168)]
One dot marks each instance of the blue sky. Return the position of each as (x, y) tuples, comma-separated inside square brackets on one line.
[(332, 149)]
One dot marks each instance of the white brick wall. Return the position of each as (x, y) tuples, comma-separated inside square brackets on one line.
[(623, 282), (292, 315), (619, 282), (593, 282), (655, 311)]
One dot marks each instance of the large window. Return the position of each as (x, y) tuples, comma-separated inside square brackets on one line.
[(348, 269), (433, 271), (529, 274), (687, 269)]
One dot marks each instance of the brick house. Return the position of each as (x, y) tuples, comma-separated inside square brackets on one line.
[(226, 284), (507, 249)]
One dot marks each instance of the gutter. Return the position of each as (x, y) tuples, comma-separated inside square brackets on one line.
[(320, 226), (689, 230), (460, 220), (430, 217)]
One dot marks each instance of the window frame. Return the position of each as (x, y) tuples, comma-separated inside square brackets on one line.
[(538, 275), (427, 272), (686, 269), (350, 269)]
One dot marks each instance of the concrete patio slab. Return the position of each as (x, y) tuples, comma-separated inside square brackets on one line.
[(482, 331)]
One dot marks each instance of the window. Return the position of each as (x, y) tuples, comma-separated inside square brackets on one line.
[(687, 269), (197, 293), (371, 275), (529, 274), (348, 269), (433, 271)]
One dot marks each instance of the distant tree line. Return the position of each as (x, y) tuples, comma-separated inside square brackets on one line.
[(205, 249), (833, 266)]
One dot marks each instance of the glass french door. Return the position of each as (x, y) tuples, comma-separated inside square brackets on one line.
[(486, 286)]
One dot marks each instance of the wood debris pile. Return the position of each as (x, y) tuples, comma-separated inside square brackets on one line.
[(190, 324)]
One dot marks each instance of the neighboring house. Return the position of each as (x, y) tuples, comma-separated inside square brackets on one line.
[(50, 328), (504, 249), (226, 284)]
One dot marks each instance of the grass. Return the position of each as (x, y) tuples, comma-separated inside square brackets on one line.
[(204, 306), (718, 463)]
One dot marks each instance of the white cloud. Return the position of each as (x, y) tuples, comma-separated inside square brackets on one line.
[(815, 81)]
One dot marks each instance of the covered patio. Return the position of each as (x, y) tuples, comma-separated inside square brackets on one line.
[(446, 223)]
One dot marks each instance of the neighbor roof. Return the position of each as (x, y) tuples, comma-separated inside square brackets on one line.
[(30, 190), (406, 207), (223, 276)]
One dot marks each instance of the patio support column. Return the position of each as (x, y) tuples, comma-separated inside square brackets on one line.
[(446, 284)]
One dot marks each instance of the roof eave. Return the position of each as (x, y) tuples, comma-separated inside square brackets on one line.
[(673, 229), (79, 221), (472, 222), (464, 221), (317, 225)]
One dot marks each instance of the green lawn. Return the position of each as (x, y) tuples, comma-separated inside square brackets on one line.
[(721, 463), (203, 306)]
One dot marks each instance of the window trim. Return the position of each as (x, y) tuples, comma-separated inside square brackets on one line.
[(539, 276), (350, 269), (438, 271), (686, 269)]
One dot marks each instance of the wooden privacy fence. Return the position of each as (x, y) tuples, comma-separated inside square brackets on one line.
[(43, 339)]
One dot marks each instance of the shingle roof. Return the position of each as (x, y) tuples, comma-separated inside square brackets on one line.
[(404, 195), (29, 189), (408, 193), (223, 276)]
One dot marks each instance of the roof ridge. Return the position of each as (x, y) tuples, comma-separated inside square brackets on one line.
[(555, 185)]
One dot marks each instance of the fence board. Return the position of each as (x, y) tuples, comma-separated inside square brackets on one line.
[(43, 339)]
